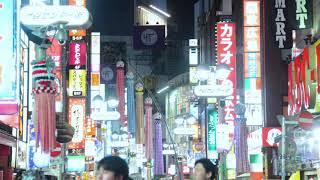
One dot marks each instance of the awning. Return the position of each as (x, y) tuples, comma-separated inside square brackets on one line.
[(9, 113), (7, 140)]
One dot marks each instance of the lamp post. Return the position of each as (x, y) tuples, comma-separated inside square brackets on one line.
[(282, 120)]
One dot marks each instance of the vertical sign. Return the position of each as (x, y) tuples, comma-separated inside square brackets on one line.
[(77, 69), (211, 134), (302, 14), (7, 58), (252, 62), (281, 32), (76, 120), (226, 52)]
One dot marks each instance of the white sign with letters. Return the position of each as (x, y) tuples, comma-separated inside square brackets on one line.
[(74, 16)]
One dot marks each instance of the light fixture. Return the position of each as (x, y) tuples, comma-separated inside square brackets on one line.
[(222, 71), (163, 89), (203, 72), (160, 11)]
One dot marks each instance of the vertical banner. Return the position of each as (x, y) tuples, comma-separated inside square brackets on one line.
[(211, 134), (77, 69), (252, 62), (301, 16), (281, 30), (78, 55), (77, 115), (226, 52)]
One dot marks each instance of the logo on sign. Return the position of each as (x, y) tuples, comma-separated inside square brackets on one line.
[(272, 134), (149, 37)]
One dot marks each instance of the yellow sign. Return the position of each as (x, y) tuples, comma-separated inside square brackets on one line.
[(77, 82)]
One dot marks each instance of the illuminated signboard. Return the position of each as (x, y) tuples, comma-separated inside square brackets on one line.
[(281, 32), (303, 77), (211, 134), (214, 90), (252, 62), (74, 16), (78, 55), (226, 52), (77, 115), (302, 14), (77, 82), (7, 44)]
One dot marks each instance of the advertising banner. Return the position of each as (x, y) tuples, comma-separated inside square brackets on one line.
[(149, 37), (77, 82), (252, 62), (78, 55), (77, 115), (226, 52), (301, 16), (281, 30), (7, 43), (211, 134)]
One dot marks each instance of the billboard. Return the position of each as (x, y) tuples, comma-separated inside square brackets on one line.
[(226, 54)]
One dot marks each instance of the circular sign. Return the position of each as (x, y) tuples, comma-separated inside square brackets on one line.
[(305, 120), (56, 151), (149, 37), (107, 74), (272, 134)]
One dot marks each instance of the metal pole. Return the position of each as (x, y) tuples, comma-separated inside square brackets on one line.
[(283, 149)]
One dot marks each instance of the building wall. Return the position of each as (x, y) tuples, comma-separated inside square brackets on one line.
[(112, 17), (274, 71)]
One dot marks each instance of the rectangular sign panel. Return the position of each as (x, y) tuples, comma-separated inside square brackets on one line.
[(77, 115), (78, 55), (211, 134), (281, 30), (77, 82), (252, 62), (226, 52)]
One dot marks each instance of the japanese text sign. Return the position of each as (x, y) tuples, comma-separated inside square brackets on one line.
[(226, 52)]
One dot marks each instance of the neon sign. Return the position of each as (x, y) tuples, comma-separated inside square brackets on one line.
[(226, 50)]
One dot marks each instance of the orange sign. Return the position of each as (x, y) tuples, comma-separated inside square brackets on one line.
[(95, 79), (77, 116), (77, 32), (78, 3)]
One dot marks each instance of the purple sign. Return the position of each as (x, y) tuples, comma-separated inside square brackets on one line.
[(149, 37)]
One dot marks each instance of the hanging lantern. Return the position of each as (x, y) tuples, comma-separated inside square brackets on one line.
[(139, 113), (44, 92), (148, 129), (158, 155), (131, 103), (120, 91)]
